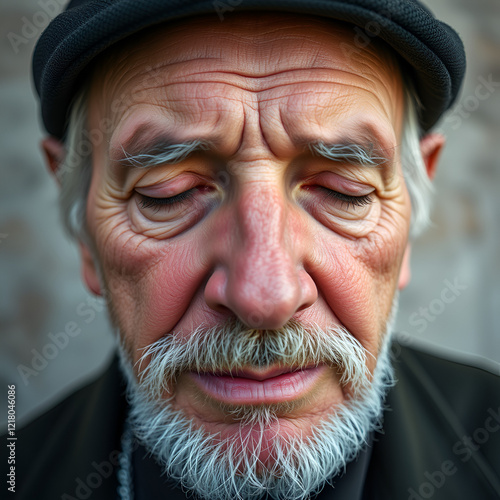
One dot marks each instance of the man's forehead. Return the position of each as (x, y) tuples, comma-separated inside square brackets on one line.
[(253, 43), (256, 52)]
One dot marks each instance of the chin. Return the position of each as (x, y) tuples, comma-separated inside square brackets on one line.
[(257, 449)]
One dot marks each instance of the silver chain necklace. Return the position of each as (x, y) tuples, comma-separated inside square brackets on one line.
[(125, 486)]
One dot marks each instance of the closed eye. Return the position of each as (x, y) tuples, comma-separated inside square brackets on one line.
[(169, 203), (349, 200)]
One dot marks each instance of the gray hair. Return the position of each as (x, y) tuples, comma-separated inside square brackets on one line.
[(75, 172)]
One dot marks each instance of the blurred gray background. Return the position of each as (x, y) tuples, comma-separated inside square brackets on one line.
[(41, 295)]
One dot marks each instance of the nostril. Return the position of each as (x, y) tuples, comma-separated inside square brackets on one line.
[(215, 291), (309, 291), (302, 307), (220, 308)]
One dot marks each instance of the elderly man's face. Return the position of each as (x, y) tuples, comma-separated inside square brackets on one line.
[(257, 225)]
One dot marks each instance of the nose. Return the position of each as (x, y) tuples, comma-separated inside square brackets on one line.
[(260, 277)]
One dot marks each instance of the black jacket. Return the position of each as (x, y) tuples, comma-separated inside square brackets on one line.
[(441, 438)]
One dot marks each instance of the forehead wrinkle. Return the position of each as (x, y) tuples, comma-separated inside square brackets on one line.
[(318, 52), (286, 115), (261, 83), (253, 37), (262, 91), (256, 82), (253, 79), (333, 108)]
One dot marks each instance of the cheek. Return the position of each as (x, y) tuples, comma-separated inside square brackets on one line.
[(149, 283), (150, 287), (358, 278)]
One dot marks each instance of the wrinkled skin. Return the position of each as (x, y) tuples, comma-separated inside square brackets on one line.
[(259, 238)]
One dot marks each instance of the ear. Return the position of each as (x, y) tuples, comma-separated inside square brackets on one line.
[(54, 152), (89, 273), (405, 271), (431, 146)]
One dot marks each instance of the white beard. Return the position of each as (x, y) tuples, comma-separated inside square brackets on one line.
[(215, 468)]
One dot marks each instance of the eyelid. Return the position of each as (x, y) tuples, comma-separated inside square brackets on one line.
[(151, 202), (168, 188), (338, 183)]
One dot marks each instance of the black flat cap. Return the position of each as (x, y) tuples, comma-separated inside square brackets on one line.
[(433, 51)]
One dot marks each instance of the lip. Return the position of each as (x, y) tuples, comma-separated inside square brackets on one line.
[(254, 388)]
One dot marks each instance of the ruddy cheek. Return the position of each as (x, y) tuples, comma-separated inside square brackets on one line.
[(347, 286), (159, 280), (382, 250)]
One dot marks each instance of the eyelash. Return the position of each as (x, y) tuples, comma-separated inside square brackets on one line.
[(355, 201), (171, 202)]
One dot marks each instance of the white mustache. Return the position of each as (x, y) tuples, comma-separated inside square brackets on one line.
[(233, 346)]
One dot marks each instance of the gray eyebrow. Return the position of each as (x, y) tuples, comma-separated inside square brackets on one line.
[(164, 152), (161, 153), (355, 154)]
